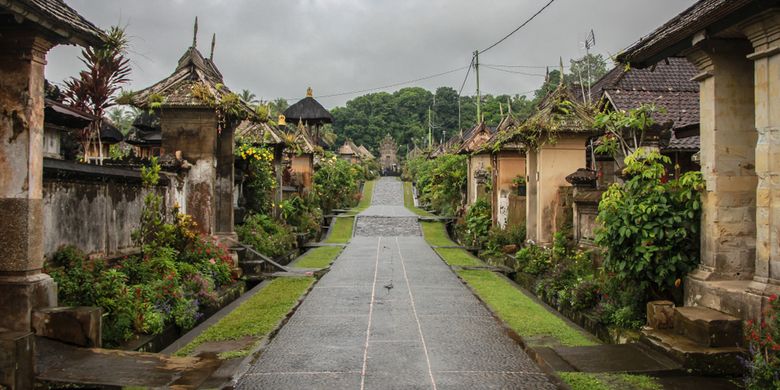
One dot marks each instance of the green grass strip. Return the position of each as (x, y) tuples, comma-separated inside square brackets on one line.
[(341, 231), (368, 194), (257, 316), (458, 257), (409, 200), (519, 312), (587, 381), (435, 234), (320, 257)]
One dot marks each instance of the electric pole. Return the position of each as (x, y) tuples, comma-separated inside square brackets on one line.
[(479, 97), (430, 129)]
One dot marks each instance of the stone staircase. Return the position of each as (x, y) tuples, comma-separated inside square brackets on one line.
[(702, 340)]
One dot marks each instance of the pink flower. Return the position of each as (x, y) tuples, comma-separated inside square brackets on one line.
[(212, 261)]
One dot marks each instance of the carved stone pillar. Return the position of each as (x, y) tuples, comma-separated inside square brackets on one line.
[(23, 286), (763, 31), (728, 139)]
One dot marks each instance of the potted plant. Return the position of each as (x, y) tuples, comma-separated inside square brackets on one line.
[(519, 183)]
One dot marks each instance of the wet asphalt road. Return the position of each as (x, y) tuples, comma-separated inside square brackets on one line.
[(391, 315)]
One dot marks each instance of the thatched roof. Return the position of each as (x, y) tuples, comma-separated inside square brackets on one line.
[(260, 133), (347, 149), (194, 77), (308, 111), (474, 138), (366, 153), (303, 140), (146, 130), (56, 17), (558, 113)]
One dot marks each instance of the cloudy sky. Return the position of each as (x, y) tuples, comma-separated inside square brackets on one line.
[(276, 48)]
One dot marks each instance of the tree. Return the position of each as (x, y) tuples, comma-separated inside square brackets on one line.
[(95, 88), (590, 68), (247, 96), (278, 106), (123, 117)]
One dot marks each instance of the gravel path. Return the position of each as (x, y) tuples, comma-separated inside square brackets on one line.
[(391, 315)]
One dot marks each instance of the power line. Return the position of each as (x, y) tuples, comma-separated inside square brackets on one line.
[(518, 28), (514, 71), (527, 66), (467, 76), (394, 84)]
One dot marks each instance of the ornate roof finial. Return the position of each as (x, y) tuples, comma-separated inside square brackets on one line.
[(309, 92), (213, 42), (195, 34), (560, 82)]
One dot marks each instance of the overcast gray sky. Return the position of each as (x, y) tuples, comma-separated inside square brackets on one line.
[(276, 48)]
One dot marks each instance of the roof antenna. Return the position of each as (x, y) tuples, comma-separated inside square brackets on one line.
[(195, 34), (213, 42)]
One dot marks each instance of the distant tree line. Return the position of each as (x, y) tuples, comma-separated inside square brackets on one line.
[(404, 114)]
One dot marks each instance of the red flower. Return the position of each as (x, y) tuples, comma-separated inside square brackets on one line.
[(772, 298)]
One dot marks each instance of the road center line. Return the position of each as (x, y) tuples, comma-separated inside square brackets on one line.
[(370, 315), (414, 311)]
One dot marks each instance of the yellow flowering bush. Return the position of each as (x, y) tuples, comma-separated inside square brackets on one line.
[(260, 180)]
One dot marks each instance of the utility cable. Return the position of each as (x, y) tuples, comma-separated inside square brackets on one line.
[(519, 27), (514, 71), (394, 84)]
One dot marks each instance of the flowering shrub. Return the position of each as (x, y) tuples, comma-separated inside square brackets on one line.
[(336, 183), (763, 339), (260, 180)]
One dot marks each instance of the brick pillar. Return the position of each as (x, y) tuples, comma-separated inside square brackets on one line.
[(22, 284), (764, 34), (728, 139)]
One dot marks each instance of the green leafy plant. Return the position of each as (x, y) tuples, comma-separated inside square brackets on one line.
[(477, 222), (650, 226), (336, 183), (266, 235)]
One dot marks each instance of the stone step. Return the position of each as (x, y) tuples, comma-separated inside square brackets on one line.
[(628, 358), (62, 364), (708, 327), (693, 356)]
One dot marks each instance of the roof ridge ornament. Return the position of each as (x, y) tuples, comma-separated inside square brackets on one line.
[(195, 34), (309, 92), (213, 43)]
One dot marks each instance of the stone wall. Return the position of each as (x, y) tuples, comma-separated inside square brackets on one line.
[(96, 208)]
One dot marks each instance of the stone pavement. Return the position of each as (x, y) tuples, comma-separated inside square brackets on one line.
[(391, 315)]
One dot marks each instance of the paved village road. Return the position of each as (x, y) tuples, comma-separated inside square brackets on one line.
[(391, 315)]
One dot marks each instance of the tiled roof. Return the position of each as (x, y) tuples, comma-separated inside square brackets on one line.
[(682, 108), (674, 74), (687, 144), (681, 28), (667, 85), (57, 17)]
